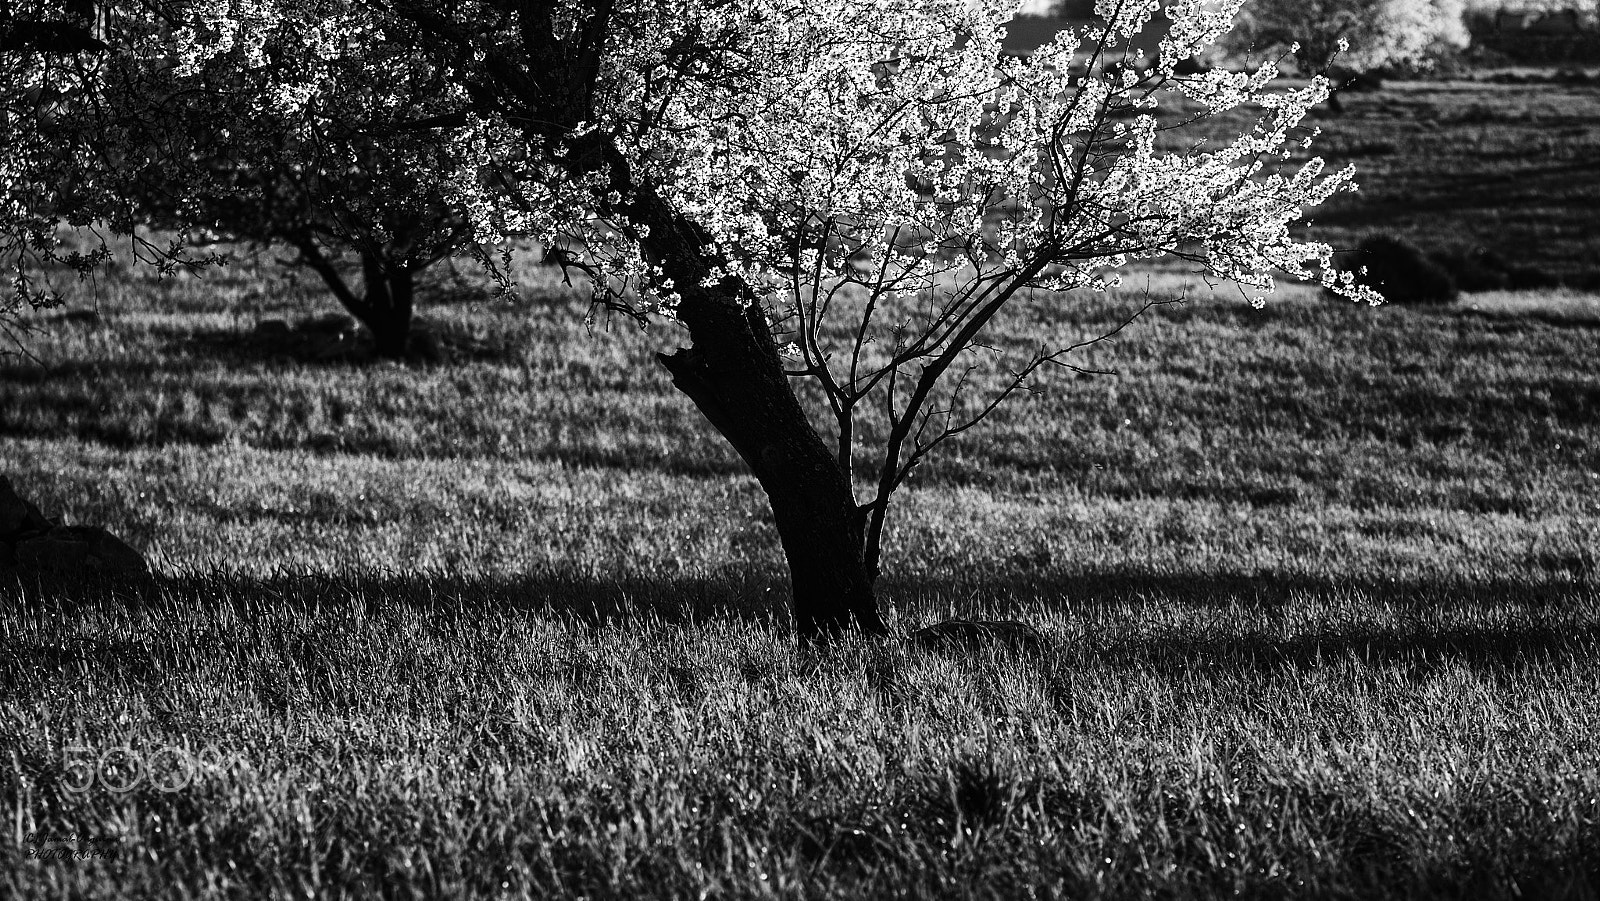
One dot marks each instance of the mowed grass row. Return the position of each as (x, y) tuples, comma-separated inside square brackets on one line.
[(1312, 437), (262, 513), (1332, 402)]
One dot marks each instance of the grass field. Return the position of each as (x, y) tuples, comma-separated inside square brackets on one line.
[(1449, 165), (1319, 583)]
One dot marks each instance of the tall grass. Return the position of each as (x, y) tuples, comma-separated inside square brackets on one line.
[(423, 736)]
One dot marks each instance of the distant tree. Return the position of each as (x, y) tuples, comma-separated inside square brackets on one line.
[(1587, 11), (347, 190), (33, 47), (1347, 38), (842, 194), (192, 145)]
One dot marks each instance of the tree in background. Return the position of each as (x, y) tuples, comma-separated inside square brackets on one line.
[(1536, 32), (41, 59), (847, 196), (347, 188), (1347, 38), (1587, 11), (143, 139)]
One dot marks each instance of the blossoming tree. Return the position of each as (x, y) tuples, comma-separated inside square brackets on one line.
[(196, 147), (842, 193)]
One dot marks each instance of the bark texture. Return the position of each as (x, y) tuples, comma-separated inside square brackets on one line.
[(734, 376)]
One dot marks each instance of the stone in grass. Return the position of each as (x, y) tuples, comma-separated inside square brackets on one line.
[(1399, 271), (30, 543), (18, 516), (1531, 278), (1476, 269), (77, 550), (328, 324), (972, 635)]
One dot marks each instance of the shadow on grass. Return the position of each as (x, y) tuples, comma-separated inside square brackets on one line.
[(672, 600), (302, 344), (1120, 620), (1165, 621), (1000, 592)]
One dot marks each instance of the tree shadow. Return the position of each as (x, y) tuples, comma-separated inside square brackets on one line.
[(679, 600), (335, 341), (1138, 620), (1112, 619)]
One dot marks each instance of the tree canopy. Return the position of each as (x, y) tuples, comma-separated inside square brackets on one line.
[(838, 192), (199, 149)]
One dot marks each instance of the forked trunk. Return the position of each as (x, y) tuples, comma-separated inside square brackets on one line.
[(385, 304), (734, 375)]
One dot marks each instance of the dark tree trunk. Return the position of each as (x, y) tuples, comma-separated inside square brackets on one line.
[(387, 295), (734, 375), (386, 307)]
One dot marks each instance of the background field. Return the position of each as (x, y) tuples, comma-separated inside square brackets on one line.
[(1319, 580), (1510, 167)]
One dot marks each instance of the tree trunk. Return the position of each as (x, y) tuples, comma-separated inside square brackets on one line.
[(387, 292), (734, 375), (386, 308)]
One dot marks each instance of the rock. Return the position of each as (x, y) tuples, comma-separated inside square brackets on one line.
[(323, 348), (1400, 271), (32, 544), (329, 324), (73, 550), (969, 636), (1475, 269), (426, 347), (18, 516), (1531, 278)]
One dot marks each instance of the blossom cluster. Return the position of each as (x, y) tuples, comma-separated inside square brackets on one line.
[(853, 122), (808, 140)]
